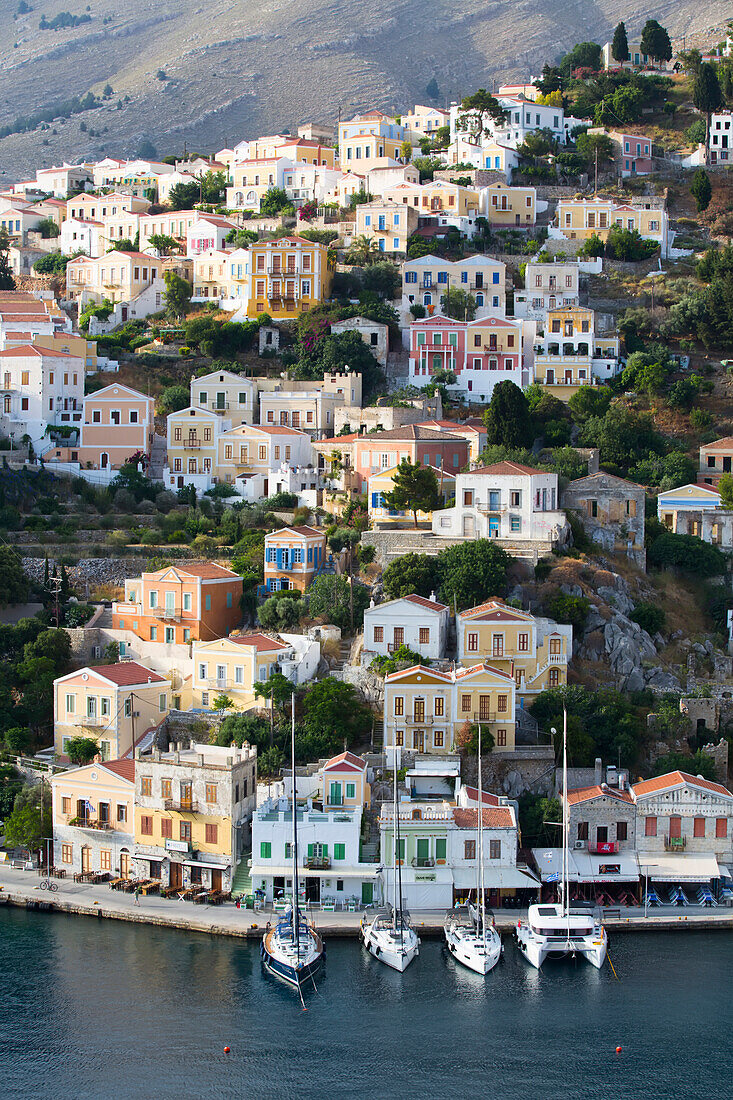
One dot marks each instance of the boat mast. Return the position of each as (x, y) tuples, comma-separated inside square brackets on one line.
[(565, 854), (480, 823), (295, 832)]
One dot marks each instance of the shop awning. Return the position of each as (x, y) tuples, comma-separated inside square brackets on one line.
[(584, 866), (495, 878), (669, 867)]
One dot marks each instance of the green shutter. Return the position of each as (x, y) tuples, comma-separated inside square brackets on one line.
[(265, 849), (440, 848), (339, 851)]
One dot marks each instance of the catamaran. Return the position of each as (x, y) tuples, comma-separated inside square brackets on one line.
[(468, 937), (554, 931), (293, 951), (388, 935)]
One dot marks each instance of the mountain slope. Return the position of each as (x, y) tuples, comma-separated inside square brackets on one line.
[(236, 68)]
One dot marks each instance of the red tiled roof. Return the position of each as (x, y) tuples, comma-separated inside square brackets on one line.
[(124, 768), (677, 779), (507, 468), (128, 673), (586, 794), (260, 642), (497, 817)]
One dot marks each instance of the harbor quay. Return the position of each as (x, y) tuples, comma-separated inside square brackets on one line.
[(23, 890)]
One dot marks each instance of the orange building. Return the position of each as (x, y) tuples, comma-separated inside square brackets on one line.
[(177, 605)]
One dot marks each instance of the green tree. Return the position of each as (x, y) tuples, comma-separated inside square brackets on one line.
[(620, 44), (706, 95), (81, 750), (273, 201), (29, 825), (507, 418), (415, 487), (333, 707), (7, 282), (410, 574), (472, 572), (655, 41), (459, 304), (178, 293), (701, 189), (478, 112)]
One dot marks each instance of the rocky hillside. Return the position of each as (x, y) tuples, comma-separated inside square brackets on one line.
[(224, 69)]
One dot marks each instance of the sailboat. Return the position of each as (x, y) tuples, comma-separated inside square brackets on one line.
[(554, 931), (293, 951), (469, 939), (388, 935)]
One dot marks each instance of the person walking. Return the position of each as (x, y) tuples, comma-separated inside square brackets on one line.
[(137, 895)]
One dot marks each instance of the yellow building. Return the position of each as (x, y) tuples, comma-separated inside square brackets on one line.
[(192, 812), (581, 218), (569, 354), (505, 205), (383, 482), (113, 704), (426, 710), (232, 666), (288, 276), (535, 651)]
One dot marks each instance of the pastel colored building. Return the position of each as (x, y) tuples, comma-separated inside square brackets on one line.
[(425, 709), (534, 650), (180, 605), (192, 812), (420, 624), (93, 814), (293, 556), (113, 704)]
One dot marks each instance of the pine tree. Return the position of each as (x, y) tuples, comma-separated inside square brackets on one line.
[(620, 44)]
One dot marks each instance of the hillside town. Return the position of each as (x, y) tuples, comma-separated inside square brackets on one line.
[(373, 482)]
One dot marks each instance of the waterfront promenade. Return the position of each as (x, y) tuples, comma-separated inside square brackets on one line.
[(22, 888)]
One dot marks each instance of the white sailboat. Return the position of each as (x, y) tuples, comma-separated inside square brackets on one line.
[(293, 951), (388, 935), (467, 936), (554, 931)]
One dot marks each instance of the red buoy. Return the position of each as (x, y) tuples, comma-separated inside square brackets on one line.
[(227, 1051), (618, 1049)]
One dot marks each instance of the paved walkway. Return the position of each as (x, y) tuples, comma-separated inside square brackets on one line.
[(23, 888)]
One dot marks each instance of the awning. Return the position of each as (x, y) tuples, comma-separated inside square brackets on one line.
[(584, 866), (495, 878), (666, 867)]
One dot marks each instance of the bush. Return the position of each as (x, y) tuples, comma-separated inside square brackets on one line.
[(649, 616)]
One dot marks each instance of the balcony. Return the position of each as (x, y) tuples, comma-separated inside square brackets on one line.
[(181, 805), (422, 861), (675, 843)]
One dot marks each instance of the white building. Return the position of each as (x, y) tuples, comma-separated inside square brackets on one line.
[(547, 286), (419, 623), (506, 501)]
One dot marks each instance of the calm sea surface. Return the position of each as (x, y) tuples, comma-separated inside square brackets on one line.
[(104, 1009)]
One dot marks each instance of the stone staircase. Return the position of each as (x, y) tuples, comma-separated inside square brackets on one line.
[(242, 881)]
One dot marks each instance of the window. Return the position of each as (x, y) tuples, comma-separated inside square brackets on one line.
[(438, 704), (399, 704), (424, 635), (650, 826), (582, 830), (211, 792), (146, 786), (494, 849), (184, 830), (378, 633), (339, 851), (265, 849), (622, 830), (721, 827), (67, 853), (146, 825), (699, 827), (211, 834), (469, 849), (166, 828)]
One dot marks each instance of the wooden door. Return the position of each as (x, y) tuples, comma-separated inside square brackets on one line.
[(176, 879), (216, 880), (86, 859)]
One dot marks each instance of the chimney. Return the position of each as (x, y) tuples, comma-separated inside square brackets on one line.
[(598, 771)]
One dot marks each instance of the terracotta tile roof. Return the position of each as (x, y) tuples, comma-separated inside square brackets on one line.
[(124, 768), (128, 673), (260, 642), (421, 601), (500, 468), (347, 758), (586, 794), (677, 779), (497, 817)]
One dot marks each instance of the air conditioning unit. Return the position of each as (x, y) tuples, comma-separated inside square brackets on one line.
[(579, 844)]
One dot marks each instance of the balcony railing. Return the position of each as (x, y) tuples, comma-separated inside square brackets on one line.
[(675, 843), (181, 805)]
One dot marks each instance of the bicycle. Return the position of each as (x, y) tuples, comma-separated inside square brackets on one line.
[(47, 884)]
